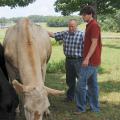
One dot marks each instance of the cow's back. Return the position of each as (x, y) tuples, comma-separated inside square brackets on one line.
[(27, 44)]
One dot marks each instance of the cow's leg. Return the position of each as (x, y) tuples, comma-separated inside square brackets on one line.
[(44, 71), (46, 113), (28, 115)]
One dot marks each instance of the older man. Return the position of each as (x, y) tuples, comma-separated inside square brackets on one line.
[(73, 47)]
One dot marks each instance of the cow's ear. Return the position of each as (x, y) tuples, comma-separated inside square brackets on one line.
[(21, 88), (18, 86)]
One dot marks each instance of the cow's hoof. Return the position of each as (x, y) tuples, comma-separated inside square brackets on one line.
[(47, 113), (17, 110)]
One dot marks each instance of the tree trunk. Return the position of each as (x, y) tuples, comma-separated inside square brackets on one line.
[(94, 5)]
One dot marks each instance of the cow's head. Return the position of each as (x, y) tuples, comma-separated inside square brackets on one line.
[(36, 101)]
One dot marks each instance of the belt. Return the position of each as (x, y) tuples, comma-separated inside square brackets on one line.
[(74, 58)]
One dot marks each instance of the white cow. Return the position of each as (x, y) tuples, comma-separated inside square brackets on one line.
[(27, 50)]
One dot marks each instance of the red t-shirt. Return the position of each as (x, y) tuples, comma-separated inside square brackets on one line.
[(93, 31)]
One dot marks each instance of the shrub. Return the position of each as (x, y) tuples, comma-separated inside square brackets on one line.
[(61, 21), (110, 22), (55, 67), (56, 22)]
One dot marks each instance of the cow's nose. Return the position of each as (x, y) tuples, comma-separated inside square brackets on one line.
[(37, 115)]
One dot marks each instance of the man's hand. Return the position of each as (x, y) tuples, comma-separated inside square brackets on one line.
[(85, 62), (51, 34), (90, 52)]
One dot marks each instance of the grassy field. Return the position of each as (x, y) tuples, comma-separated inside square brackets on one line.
[(109, 82)]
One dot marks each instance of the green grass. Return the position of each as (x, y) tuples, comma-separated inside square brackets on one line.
[(2, 34), (109, 82)]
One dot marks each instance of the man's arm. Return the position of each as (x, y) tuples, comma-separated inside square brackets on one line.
[(91, 51), (58, 35)]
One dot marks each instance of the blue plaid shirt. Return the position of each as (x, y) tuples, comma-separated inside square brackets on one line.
[(72, 42)]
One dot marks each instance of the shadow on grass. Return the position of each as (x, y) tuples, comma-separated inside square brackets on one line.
[(102, 70), (56, 81), (61, 110), (112, 46), (65, 111), (110, 86)]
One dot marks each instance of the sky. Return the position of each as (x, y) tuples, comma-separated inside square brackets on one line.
[(39, 7)]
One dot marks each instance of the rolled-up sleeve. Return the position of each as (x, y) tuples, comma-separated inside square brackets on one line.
[(59, 35)]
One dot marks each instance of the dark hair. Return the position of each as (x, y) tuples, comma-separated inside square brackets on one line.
[(87, 10)]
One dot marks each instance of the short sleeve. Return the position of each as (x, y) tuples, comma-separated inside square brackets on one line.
[(95, 32), (59, 35)]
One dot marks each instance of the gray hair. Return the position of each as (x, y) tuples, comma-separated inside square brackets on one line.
[(73, 20)]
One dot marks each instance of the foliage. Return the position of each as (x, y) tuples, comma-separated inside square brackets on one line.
[(66, 7), (15, 3), (15, 19), (57, 22), (59, 67), (61, 21), (52, 21), (117, 20), (38, 18), (54, 67), (4, 23), (33, 18), (3, 20), (110, 22)]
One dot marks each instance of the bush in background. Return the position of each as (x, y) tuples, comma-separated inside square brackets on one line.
[(59, 67), (62, 21), (110, 22), (56, 67)]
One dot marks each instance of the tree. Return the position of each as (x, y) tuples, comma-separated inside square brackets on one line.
[(14, 3), (3, 22), (66, 7)]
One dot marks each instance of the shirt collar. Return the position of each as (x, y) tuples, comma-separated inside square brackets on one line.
[(72, 33), (90, 22)]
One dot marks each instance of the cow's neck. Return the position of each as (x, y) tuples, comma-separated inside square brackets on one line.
[(28, 57)]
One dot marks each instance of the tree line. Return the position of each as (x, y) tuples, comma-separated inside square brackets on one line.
[(52, 21), (108, 22)]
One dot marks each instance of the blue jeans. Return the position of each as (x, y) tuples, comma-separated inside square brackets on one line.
[(87, 87), (72, 72)]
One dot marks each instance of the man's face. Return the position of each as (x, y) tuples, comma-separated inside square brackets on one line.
[(72, 25), (86, 17)]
